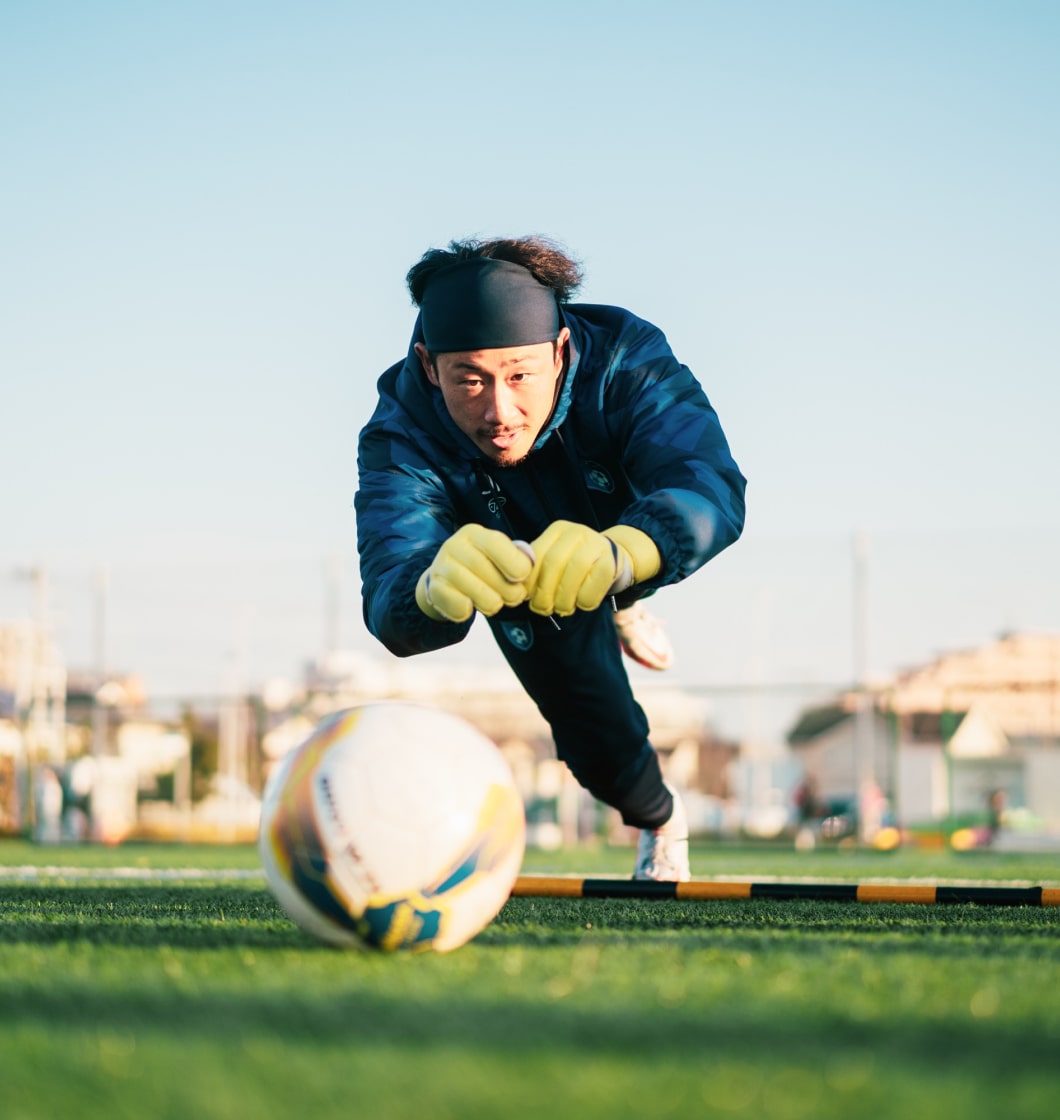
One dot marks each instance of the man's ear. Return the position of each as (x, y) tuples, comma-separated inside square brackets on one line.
[(425, 361), (561, 345)]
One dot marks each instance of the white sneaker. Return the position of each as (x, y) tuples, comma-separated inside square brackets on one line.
[(643, 637), (662, 853)]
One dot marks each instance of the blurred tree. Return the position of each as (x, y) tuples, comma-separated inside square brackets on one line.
[(204, 736)]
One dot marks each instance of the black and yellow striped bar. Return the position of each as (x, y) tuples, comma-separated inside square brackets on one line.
[(562, 886)]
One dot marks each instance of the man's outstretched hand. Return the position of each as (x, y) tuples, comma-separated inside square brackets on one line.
[(576, 567), (476, 569)]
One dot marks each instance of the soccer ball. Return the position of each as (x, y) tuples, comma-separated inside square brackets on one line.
[(393, 826)]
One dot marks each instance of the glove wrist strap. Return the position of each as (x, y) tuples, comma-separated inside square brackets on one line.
[(423, 598), (623, 570)]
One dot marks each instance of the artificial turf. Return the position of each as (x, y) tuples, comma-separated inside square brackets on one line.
[(191, 996)]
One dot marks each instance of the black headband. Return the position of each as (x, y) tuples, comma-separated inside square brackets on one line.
[(485, 304)]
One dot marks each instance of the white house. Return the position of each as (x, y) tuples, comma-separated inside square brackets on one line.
[(940, 740)]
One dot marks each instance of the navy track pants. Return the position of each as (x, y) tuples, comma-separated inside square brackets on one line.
[(577, 678)]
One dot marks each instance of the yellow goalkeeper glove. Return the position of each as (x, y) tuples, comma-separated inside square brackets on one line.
[(476, 569), (638, 555), (576, 567)]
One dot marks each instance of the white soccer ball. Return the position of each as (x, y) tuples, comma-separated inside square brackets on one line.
[(394, 826)]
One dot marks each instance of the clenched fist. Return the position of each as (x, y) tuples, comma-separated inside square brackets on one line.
[(476, 569), (576, 568)]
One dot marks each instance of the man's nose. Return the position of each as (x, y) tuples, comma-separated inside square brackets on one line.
[(500, 406)]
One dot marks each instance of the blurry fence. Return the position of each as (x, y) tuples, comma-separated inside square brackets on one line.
[(769, 611), (773, 628)]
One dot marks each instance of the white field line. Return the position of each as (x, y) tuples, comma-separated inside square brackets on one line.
[(34, 874), (31, 874)]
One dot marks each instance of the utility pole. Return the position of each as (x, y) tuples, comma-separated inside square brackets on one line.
[(99, 641), (332, 602), (99, 629), (233, 726), (866, 796), (40, 697), (39, 687), (46, 679)]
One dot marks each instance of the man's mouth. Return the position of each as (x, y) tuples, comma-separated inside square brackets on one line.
[(503, 439)]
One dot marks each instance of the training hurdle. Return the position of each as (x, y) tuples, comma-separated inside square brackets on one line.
[(701, 890)]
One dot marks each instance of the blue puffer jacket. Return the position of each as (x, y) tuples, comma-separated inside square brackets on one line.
[(633, 439)]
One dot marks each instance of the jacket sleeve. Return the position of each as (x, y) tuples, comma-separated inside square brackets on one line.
[(689, 492), (403, 515)]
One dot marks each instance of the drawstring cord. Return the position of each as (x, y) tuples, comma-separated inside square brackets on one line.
[(496, 500), (586, 502)]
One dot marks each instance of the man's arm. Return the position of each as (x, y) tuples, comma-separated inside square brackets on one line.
[(689, 490), (404, 516)]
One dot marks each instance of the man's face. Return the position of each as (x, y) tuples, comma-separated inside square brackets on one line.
[(500, 399)]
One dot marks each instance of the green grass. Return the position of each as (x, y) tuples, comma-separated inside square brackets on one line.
[(167, 997)]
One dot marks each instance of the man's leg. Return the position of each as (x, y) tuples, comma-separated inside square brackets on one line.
[(576, 677)]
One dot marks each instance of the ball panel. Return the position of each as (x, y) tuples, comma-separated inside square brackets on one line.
[(475, 893), (297, 863), (298, 909), (471, 891)]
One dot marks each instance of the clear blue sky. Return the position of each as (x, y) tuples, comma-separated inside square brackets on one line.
[(845, 216)]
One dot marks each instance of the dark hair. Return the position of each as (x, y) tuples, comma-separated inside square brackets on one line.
[(545, 261)]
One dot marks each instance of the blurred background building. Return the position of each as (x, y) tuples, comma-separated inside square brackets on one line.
[(968, 738)]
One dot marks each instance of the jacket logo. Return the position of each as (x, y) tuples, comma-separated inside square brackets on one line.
[(491, 492), (520, 634), (596, 478)]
